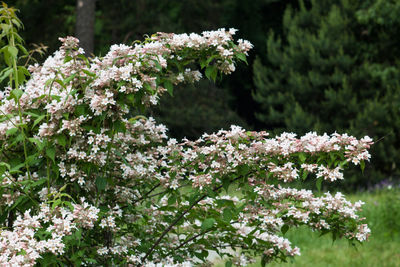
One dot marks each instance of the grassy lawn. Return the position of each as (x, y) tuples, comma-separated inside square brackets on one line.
[(382, 210)]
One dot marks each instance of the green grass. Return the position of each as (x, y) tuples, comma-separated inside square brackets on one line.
[(382, 210)]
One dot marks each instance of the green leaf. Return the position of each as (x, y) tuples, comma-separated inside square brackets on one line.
[(5, 73), (209, 71), (5, 27), (118, 153), (84, 59), (201, 255), (207, 224), (37, 142), (334, 236), (33, 160), (60, 83), (16, 168), (242, 57), (284, 228), (148, 87), (13, 51), (11, 131), (91, 74), (304, 175), (38, 120), (228, 264), (302, 157), (203, 63), (214, 74), (211, 59), (51, 153), (16, 22), (343, 163), (5, 165), (7, 58), (69, 78), (24, 70), (333, 158), (16, 94), (227, 215), (101, 183), (80, 110), (158, 66), (168, 85), (243, 170), (130, 98), (264, 260), (172, 200), (62, 140), (56, 203), (56, 97), (226, 183), (119, 126), (31, 114), (362, 166), (23, 49), (319, 183), (21, 200), (38, 182), (21, 75)]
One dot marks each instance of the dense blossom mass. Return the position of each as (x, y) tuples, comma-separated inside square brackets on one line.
[(86, 180)]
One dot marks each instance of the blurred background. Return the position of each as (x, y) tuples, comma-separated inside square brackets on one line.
[(321, 66)]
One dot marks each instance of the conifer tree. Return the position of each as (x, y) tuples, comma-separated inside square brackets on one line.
[(335, 67)]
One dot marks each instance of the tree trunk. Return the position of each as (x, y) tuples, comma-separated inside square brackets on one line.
[(84, 27)]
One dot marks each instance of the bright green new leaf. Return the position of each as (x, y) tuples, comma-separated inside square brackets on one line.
[(362, 166), (302, 157), (69, 78), (16, 94), (38, 120), (51, 153), (23, 49), (207, 224), (13, 51), (5, 73)]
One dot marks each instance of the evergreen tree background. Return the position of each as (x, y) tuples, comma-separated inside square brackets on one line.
[(335, 67)]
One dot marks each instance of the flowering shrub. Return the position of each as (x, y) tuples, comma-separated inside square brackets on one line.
[(85, 181)]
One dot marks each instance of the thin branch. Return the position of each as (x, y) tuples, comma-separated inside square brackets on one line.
[(179, 218), (151, 190), (170, 227), (191, 239), (160, 193)]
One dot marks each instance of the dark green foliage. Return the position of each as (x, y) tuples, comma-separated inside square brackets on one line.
[(336, 68), (196, 109)]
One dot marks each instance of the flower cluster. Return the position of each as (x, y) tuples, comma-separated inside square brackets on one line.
[(20, 246), (150, 200)]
